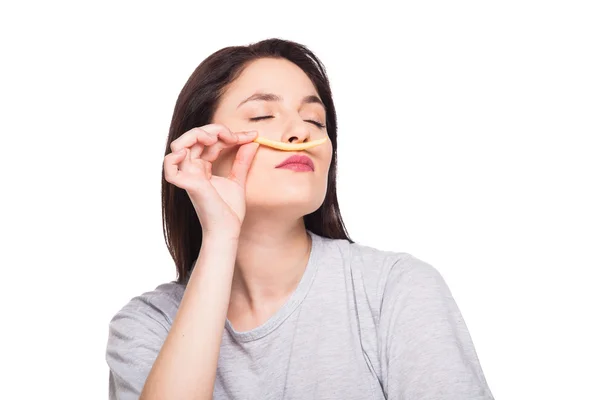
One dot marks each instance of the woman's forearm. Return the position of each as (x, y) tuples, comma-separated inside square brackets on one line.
[(186, 365)]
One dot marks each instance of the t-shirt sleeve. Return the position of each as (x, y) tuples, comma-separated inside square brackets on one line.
[(426, 351), (136, 335)]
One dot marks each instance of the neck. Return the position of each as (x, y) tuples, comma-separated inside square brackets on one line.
[(270, 262)]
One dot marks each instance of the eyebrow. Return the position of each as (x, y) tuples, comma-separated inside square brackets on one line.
[(311, 99)]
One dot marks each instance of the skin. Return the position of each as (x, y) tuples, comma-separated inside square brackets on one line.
[(273, 252), (255, 247), (270, 189)]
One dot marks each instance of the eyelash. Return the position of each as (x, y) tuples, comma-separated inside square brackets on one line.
[(320, 125)]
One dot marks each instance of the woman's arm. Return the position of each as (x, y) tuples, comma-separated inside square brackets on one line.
[(186, 365), (426, 351)]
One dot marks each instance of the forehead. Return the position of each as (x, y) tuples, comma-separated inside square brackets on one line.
[(278, 76)]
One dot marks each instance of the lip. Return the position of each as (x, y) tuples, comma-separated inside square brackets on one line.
[(297, 162)]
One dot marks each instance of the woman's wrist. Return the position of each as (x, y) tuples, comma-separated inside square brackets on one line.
[(220, 240)]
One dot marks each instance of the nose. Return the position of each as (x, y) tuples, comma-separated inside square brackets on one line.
[(297, 131)]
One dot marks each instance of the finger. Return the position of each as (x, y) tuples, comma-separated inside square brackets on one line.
[(222, 132), (238, 137), (196, 150), (193, 136), (180, 171), (171, 165), (227, 136), (242, 163), (208, 170), (246, 136), (212, 153), (191, 165)]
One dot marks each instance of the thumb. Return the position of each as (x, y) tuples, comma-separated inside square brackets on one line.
[(241, 165)]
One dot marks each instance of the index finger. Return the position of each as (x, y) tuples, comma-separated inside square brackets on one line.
[(221, 131), (227, 135), (193, 136)]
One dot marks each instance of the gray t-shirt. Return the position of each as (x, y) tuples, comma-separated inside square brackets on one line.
[(362, 324)]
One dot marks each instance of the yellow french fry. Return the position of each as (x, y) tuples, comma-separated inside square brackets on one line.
[(289, 146)]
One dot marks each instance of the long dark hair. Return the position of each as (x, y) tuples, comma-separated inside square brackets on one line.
[(196, 106)]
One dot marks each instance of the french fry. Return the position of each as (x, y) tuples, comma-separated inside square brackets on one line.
[(289, 146)]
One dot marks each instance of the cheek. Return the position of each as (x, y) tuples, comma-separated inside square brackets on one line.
[(326, 154)]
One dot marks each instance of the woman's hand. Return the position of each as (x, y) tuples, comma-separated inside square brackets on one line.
[(220, 202)]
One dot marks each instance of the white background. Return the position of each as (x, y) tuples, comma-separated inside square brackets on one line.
[(468, 137)]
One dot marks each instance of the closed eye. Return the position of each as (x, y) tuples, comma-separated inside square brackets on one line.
[(316, 123)]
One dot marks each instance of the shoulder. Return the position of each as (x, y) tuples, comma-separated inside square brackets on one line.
[(143, 323), (159, 305), (384, 274), (375, 262), (395, 274), (136, 334)]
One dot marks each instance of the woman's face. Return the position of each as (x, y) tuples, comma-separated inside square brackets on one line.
[(277, 99)]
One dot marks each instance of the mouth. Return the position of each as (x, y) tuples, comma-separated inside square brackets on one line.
[(297, 163)]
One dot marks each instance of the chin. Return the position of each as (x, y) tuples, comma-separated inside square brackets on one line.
[(292, 195), (288, 200)]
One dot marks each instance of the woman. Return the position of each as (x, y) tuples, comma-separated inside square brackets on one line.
[(273, 300)]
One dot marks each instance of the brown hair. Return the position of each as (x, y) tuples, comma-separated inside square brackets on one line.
[(196, 106)]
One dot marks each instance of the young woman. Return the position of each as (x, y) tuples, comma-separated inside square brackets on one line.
[(273, 300)]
